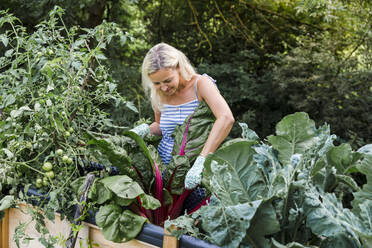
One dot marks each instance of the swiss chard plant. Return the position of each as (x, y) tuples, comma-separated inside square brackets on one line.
[(286, 191), (145, 189)]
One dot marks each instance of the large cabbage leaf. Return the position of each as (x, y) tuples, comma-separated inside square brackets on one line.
[(240, 192), (227, 225), (294, 135), (326, 217), (235, 178), (365, 167)]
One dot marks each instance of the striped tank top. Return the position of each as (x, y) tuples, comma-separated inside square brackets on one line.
[(172, 116)]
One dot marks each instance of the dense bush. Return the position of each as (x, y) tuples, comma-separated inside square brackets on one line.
[(270, 58), (331, 88)]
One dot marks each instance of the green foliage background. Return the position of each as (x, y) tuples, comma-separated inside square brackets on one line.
[(270, 58)]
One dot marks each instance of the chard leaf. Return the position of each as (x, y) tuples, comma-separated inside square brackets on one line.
[(174, 175), (189, 140), (227, 225), (118, 225), (117, 156), (77, 185), (122, 202), (107, 218), (99, 193), (131, 224), (146, 176), (107, 215), (149, 202), (294, 135), (148, 171), (123, 186), (167, 198), (142, 145), (196, 129)]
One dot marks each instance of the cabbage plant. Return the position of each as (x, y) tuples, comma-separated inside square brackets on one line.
[(285, 191)]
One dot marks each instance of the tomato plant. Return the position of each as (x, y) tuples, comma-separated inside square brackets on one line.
[(54, 88)]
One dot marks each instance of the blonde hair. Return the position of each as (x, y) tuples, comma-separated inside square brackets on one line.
[(163, 56)]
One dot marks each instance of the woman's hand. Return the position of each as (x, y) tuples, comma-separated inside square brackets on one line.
[(142, 130), (194, 175), (155, 128)]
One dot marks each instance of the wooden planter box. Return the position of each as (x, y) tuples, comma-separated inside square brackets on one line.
[(151, 235)]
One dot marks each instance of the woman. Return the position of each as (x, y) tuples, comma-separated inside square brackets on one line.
[(176, 90)]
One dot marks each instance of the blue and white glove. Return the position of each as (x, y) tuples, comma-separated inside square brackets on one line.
[(194, 175), (142, 130)]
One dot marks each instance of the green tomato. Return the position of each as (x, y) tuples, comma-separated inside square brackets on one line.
[(49, 174), (45, 181), (59, 152), (65, 158), (67, 134), (47, 166), (50, 51), (69, 161), (39, 183), (71, 130)]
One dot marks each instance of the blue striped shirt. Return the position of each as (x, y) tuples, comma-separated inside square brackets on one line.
[(171, 116)]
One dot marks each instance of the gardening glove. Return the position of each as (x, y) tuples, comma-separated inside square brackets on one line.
[(142, 130), (194, 175)]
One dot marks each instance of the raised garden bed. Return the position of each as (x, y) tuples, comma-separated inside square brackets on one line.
[(151, 235)]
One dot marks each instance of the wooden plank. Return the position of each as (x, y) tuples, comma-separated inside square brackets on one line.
[(1, 233), (170, 241), (60, 228), (88, 235), (18, 216), (4, 230), (97, 238)]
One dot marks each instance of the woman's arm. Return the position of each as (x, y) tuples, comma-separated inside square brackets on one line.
[(155, 126), (209, 93)]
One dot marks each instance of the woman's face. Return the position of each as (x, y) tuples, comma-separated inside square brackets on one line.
[(166, 80)]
